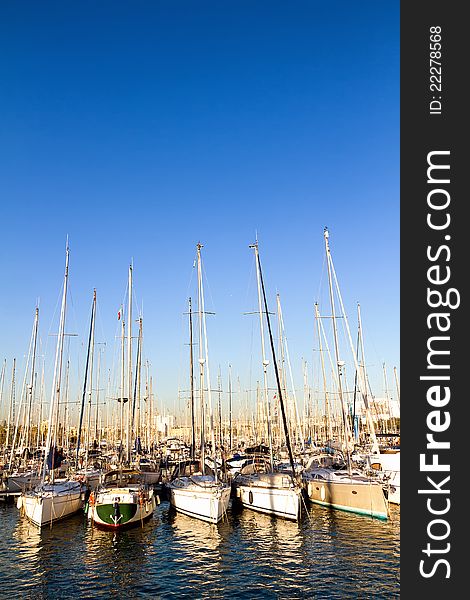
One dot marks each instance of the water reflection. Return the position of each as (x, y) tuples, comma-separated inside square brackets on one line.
[(329, 554)]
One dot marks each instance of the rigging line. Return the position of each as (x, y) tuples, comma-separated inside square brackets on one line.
[(249, 283), (208, 286), (322, 277)]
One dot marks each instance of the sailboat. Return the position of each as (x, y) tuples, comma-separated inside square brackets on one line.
[(276, 493), (344, 489), (123, 499), (54, 499), (200, 495)]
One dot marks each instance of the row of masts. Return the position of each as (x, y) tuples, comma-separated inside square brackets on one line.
[(312, 423), (240, 414)]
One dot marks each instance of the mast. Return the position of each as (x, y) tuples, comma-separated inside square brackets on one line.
[(219, 407), (191, 383), (55, 394), (375, 446), (82, 408), (137, 386), (90, 392), (356, 375), (263, 355), (204, 360), (278, 381), (65, 439), (31, 384), (230, 406), (201, 359), (323, 370), (98, 379), (41, 398), (339, 363), (121, 416), (365, 393), (129, 363)]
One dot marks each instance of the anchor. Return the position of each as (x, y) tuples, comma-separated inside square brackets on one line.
[(117, 514)]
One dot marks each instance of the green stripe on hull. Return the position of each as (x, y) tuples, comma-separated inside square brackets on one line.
[(106, 513), (358, 511)]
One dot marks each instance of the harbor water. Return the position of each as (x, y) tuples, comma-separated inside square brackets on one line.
[(328, 554)]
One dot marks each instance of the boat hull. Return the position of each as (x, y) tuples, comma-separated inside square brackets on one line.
[(121, 508), (205, 502), (270, 494), (52, 503), (360, 498)]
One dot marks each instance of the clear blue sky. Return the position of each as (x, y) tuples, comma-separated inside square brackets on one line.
[(140, 128)]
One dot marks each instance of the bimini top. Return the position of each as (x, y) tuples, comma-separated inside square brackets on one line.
[(122, 477)]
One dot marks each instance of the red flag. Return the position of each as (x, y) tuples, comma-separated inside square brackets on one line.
[(119, 314)]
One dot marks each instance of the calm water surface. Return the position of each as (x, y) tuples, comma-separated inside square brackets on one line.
[(329, 554)]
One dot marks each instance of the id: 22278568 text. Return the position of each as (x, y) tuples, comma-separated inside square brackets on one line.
[(435, 70)]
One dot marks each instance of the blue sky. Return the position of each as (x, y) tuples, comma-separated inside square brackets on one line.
[(141, 128)]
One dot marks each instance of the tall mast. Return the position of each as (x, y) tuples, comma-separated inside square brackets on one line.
[(55, 394), (201, 357), (278, 381), (121, 416), (137, 387), (41, 399), (339, 363), (230, 405), (375, 446), (323, 370), (64, 442), (356, 374), (219, 406), (282, 366), (204, 359), (263, 355), (191, 383), (129, 362), (31, 383), (85, 380), (98, 379), (90, 392), (365, 387)]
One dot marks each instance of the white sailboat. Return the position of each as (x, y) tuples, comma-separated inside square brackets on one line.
[(274, 493), (54, 499), (199, 495), (347, 489)]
